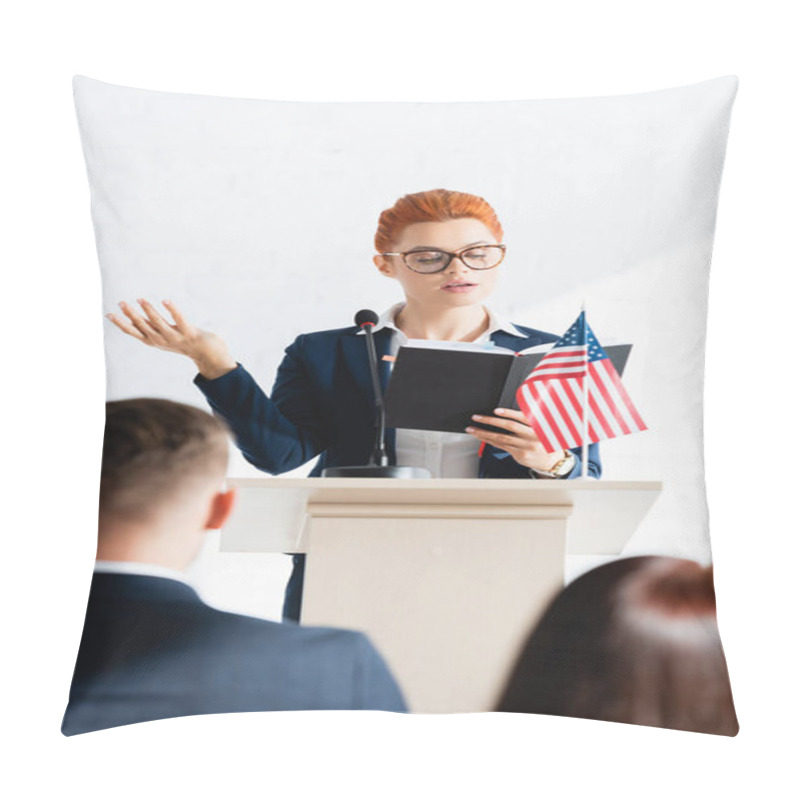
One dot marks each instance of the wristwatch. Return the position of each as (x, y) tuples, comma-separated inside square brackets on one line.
[(559, 470)]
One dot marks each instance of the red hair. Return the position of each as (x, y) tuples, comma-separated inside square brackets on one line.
[(436, 205)]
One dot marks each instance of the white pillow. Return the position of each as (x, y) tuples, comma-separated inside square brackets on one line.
[(257, 218)]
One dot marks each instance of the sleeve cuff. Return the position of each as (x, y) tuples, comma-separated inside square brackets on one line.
[(199, 380)]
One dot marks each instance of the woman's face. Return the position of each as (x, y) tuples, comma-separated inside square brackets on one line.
[(457, 285)]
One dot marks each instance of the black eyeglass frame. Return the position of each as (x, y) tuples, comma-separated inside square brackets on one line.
[(458, 254)]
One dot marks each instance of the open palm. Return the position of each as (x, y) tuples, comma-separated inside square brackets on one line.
[(206, 349)]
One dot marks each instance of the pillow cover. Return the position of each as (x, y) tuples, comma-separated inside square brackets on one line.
[(257, 219)]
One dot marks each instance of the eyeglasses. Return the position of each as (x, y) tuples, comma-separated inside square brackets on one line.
[(484, 256)]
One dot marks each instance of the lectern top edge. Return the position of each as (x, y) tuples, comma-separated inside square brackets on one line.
[(466, 484)]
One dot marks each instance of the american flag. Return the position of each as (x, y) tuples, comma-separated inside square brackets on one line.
[(552, 396)]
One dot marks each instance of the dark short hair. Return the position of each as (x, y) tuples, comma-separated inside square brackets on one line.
[(636, 641), (152, 450)]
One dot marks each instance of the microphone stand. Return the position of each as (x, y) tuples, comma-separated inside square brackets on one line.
[(379, 466)]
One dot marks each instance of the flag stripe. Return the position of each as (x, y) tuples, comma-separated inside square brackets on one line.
[(600, 418), (568, 404), (595, 434), (606, 403), (546, 375), (574, 391), (558, 433), (619, 398), (638, 422), (562, 359), (565, 352), (554, 366), (531, 407), (551, 428), (528, 406)]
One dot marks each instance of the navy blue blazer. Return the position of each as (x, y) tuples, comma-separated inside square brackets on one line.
[(151, 649), (322, 405)]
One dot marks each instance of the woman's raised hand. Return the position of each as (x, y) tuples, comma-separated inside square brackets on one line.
[(208, 351)]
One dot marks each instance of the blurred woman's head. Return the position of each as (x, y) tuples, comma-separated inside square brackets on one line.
[(442, 247), (635, 641)]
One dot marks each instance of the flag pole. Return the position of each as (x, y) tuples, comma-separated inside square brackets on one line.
[(584, 445)]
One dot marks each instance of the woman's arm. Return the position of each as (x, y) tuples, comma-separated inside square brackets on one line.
[(277, 433)]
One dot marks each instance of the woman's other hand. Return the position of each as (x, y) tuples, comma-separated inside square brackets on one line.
[(208, 351), (520, 441)]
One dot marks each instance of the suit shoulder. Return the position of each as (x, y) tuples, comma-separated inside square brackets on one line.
[(322, 339), (329, 335), (289, 633)]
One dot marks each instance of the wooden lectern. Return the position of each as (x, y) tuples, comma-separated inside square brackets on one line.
[(447, 577)]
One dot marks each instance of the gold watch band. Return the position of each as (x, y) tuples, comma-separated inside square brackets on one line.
[(554, 471)]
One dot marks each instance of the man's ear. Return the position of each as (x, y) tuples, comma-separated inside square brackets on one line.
[(221, 507)]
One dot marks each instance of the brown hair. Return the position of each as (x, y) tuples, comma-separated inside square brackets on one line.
[(436, 205), (632, 641), (152, 450)]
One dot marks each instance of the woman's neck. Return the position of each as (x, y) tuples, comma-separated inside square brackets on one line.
[(462, 324)]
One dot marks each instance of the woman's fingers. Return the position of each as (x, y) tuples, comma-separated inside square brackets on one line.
[(502, 440), (156, 320), (180, 322), (125, 327), (149, 334), (512, 425), (520, 438), (135, 320), (512, 413), (153, 328)]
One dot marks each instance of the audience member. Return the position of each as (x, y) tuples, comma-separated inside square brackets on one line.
[(636, 641), (151, 648)]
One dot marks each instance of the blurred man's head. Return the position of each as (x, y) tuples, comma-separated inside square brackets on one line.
[(163, 468)]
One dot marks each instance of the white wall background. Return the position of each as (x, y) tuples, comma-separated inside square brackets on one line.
[(55, 387), (257, 218)]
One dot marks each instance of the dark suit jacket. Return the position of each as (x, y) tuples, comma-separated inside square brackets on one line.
[(322, 405), (151, 649)]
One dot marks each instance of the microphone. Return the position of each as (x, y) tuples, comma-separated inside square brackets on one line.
[(378, 466), (366, 317)]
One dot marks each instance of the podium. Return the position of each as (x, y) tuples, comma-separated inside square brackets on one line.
[(447, 577)]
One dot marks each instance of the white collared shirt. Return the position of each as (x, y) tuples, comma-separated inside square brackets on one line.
[(138, 568), (443, 454)]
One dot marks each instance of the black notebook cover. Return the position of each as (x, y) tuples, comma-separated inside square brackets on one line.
[(440, 390)]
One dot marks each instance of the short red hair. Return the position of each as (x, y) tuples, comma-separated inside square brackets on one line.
[(436, 205)]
